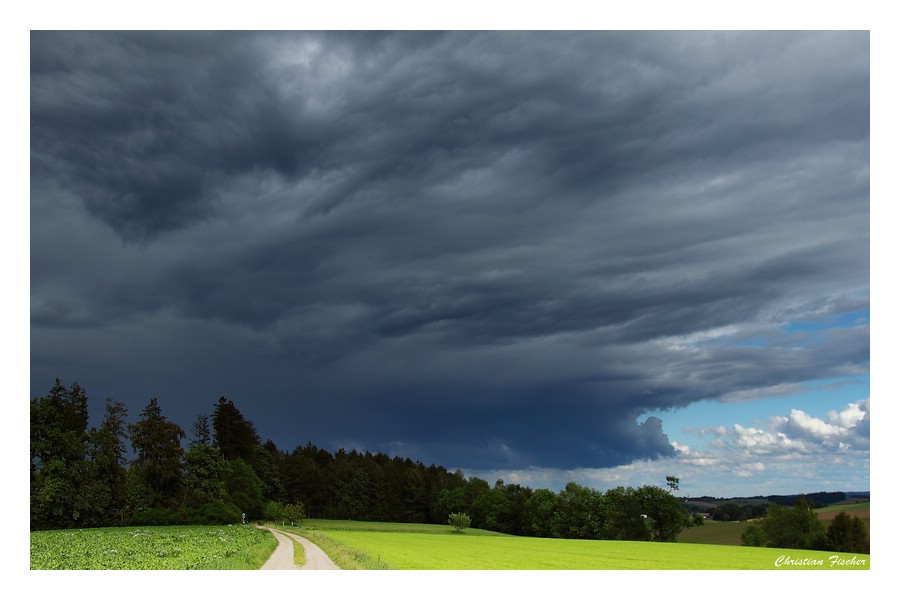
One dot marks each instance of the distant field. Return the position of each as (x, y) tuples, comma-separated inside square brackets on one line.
[(729, 532), (436, 547), (177, 547), (854, 500), (344, 525), (715, 532), (860, 509)]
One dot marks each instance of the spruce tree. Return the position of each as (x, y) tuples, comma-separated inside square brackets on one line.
[(157, 465), (104, 497)]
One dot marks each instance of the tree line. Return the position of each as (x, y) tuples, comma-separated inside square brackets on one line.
[(732, 511), (221, 471)]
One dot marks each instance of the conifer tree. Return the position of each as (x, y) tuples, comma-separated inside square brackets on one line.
[(104, 496), (157, 445), (234, 435)]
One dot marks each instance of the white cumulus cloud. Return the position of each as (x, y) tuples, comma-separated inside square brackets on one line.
[(842, 430)]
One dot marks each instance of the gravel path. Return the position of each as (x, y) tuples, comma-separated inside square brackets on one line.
[(283, 557)]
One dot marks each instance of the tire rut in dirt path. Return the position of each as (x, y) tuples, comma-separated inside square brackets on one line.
[(283, 556), (316, 559)]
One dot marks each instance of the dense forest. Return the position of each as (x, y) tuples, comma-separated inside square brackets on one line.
[(221, 468)]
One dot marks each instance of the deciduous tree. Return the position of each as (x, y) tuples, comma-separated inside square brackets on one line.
[(205, 475), (581, 513), (244, 488), (665, 514), (459, 521), (798, 527), (625, 517), (273, 511), (848, 534), (294, 513), (672, 482), (540, 513), (59, 461), (753, 535)]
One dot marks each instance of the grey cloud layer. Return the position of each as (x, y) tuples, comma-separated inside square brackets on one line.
[(553, 232)]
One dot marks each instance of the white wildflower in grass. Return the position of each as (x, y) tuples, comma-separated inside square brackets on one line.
[(154, 548)]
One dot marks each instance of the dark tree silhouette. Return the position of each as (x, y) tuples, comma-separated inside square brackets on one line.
[(157, 464)]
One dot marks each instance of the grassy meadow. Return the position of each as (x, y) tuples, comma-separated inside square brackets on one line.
[(355, 545), (726, 533), (144, 548)]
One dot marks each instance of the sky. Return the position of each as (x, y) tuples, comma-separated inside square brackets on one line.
[(602, 256)]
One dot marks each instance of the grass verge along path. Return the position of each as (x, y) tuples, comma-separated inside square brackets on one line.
[(345, 557), (299, 553)]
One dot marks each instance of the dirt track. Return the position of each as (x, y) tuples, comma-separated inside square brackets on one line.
[(283, 557)]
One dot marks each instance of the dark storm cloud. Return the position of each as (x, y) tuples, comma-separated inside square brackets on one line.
[(359, 234)]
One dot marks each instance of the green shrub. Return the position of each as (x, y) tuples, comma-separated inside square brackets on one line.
[(294, 513), (753, 535), (459, 521), (273, 511), (219, 512), (156, 516)]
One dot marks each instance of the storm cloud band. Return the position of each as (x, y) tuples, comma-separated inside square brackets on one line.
[(497, 248)]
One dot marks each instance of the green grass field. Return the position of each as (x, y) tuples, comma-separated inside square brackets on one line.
[(175, 547), (392, 546), (329, 525), (857, 508)]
